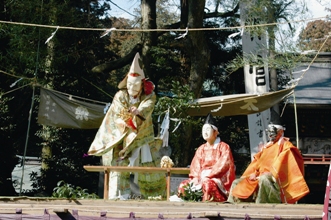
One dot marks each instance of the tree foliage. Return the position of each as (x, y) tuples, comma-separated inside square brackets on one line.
[(64, 64), (314, 36), (69, 191), (8, 160), (191, 193)]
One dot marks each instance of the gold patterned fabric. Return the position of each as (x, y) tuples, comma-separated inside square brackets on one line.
[(111, 134), (112, 138), (153, 184)]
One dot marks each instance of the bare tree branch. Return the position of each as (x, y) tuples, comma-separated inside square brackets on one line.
[(206, 15), (119, 63), (222, 15)]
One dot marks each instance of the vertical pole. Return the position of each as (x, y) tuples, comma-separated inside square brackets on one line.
[(256, 79), (31, 108), (296, 122), (106, 184), (326, 211), (27, 139), (168, 184)]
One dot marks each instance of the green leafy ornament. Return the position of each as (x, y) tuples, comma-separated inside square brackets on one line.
[(191, 192)]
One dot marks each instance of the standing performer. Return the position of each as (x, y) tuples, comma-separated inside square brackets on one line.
[(126, 135), (212, 167), (275, 175)]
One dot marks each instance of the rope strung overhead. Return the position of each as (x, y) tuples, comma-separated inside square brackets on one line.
[(162, 29)]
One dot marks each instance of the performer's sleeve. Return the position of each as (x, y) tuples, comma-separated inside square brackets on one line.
[(146, 107), (252, 167), (224, 165), (289, 159), (288, 170), (118, 111), (195, 168), (298, 156), (104, 134), (119, 104)]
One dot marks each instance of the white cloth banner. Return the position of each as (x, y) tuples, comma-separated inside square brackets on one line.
[(256, 82)]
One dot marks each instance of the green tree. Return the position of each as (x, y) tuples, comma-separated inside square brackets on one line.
[(8, 159), (272, 12), (314, 35), (64, 64)]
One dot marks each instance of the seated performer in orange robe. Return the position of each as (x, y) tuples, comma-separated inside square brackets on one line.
[(212, 167), (275, 175)]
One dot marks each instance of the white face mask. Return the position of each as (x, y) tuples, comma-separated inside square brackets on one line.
[(274, 132), (207, 131), (133, 86)]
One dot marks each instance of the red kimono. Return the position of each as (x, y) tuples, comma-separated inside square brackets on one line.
[(215, 170)]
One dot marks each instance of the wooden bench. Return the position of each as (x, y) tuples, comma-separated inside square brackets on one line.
[(319, 159), (108, 169)]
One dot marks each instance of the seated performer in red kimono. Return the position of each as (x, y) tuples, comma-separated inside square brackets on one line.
[(212, 167)]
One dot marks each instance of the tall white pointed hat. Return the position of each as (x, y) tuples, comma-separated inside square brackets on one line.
[(136, 73)]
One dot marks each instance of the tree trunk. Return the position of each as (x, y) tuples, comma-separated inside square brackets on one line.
[(199, 55), (183, 13), (197, 47), (46, 151), (271, 41), (148, 14)]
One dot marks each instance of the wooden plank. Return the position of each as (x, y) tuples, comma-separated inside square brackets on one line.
[(317, 155), (314, 162), (145, 209), (173, 170)]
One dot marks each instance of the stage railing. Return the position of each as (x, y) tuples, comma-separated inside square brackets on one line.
[(107, 169)]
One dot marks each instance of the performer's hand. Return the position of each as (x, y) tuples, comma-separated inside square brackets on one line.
[(252, 176), (122, 153), (205, 174), (133, 110), (266, 173), (195, 181), (205, 178)]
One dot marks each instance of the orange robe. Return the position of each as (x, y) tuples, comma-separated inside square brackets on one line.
[(285, 163)]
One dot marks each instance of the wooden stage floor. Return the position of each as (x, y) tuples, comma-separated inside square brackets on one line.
[(145, 209)]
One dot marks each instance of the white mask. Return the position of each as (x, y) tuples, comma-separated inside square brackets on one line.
[(133, 86), (207, 131)]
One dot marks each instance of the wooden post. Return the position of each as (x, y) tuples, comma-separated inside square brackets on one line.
[(327, 202), (168, 184), (106, 184)]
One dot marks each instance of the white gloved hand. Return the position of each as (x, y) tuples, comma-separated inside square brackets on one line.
[(205, 174)]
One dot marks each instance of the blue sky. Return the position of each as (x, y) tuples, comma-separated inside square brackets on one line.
[(315, 7), (316, 10), (127, 5)]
